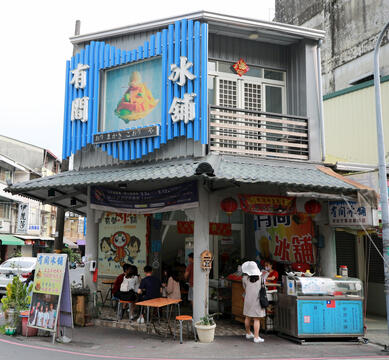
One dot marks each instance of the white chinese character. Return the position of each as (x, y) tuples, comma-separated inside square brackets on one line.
[(80, 109), (181, 72), (79, 76), (183, 109)]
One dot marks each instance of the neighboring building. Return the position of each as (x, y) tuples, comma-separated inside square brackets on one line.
[(352, 29), (21, 162), (167, 123), (74, 231)]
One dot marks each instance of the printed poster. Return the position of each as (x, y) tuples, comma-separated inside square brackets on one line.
[(286, 239), (47, 289), (132, 95), (123, 238)]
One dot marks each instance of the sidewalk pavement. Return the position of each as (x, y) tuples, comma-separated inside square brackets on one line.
[(103, 342), (377, 330)]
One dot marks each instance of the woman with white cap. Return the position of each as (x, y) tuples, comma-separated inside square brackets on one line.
[(252, 309)]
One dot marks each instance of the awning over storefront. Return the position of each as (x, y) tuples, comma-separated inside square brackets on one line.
[(69, 189), (10, 240), (34, 237)]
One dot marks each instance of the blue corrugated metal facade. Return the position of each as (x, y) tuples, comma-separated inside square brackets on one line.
[(183, 38)]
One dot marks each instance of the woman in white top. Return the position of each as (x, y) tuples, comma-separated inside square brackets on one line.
[(129, 288), (252, 309), (39, 319)]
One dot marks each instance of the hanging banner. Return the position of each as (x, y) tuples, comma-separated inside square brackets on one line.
[(187, 227), (177, 197), (267, 204), (50, 272), (23, 212), (123, 238), (286, 239)]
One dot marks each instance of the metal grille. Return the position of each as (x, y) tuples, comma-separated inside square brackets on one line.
[(228, 97), (252, 101)]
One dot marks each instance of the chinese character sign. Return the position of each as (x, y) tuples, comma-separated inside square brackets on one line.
[(47, 289), (351, 214), (267, 204), (49, 273), (23, 212), (285, 239), (123, 238)]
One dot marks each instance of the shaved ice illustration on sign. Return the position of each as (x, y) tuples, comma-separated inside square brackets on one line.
[(132, 96), (137, 102)]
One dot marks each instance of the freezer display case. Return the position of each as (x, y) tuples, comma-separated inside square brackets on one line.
[(311, 307)]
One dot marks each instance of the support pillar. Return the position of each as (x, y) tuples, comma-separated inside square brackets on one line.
[(328, 252), (201, 243), (91, 244), (59, 230)]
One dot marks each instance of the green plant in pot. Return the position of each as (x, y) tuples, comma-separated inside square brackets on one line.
[(16, 300), (206, 328)]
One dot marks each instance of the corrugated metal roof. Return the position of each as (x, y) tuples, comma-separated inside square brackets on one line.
[(286, 174), (227, 168)]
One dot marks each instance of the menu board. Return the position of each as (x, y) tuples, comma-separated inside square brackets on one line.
[(47, 289)]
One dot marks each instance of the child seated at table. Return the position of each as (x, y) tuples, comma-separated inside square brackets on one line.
[(149, 288)]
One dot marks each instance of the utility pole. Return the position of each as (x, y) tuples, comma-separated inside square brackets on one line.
[(382, 168)]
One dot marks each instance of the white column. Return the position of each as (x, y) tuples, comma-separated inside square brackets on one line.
[(91, 245), (201, 243), (328, 253)]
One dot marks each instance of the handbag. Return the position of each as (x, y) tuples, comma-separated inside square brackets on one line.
[(264, 302)]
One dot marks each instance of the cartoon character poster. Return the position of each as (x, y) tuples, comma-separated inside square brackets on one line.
[(132, 96), (123, 238), (286, 239)]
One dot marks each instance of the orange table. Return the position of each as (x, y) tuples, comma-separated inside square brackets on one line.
[(159, 303)]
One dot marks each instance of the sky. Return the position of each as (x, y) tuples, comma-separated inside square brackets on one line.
[(35, 46)]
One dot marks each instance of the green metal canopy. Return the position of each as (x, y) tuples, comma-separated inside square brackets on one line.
[(10, 240)]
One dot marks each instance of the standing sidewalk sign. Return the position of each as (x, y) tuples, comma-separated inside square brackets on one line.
[(51, 304)]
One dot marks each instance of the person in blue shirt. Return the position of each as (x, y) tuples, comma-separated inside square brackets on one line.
[(149, 288)]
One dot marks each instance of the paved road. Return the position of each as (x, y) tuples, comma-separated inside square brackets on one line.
[(104, 343)]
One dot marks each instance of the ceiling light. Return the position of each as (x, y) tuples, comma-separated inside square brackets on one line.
[(253, 36)]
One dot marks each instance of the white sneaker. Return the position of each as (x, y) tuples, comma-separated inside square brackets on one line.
[(140, 320), (258, 340), (249, 336)]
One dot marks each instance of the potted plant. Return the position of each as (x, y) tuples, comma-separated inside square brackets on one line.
[(17, 300), (206, 328)]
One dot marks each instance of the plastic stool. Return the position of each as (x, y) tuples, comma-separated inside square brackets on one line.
[(180, 319), (120, 302)]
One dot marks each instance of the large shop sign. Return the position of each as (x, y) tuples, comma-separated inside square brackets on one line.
[(350, 214), (177, 197), (286, 239)]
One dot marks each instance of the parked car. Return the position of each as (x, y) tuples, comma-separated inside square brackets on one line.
[(17, 266)]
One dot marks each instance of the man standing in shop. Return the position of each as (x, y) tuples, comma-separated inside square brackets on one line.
[(189, 277)]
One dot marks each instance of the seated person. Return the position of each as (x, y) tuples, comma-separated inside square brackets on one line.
[(273, 275), (149, 288), (173, 286), (118, 281)]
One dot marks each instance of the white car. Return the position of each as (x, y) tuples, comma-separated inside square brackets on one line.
[(17, 266)]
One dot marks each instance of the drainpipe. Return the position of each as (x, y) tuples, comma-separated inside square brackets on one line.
[(321, 111)]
